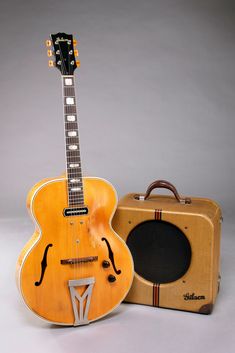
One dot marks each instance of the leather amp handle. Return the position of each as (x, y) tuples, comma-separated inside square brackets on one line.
[(166, 185)]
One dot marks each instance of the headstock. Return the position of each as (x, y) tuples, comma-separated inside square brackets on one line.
[(62, 48)]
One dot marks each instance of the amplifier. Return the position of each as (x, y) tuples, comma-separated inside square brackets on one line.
[(175, 244)]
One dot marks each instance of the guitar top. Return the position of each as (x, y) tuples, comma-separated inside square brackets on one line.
[(75, 269)]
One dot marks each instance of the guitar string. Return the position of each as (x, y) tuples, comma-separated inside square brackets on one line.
[(75, 157), (80, 201), (70, 220), (76, 197), (76, 254), (76, 265)]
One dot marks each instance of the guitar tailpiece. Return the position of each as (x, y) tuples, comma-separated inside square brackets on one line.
[(81, 312)]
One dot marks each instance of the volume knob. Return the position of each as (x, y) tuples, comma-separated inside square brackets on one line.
[(111, 278), (105, 264)]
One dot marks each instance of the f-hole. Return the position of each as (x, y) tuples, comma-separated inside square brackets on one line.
[(43, 265), (111, 257)]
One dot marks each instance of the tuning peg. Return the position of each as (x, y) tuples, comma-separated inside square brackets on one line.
[(51, 63), (78, 63), (49, 52), (48, 43), (76, 52), (74, 42)]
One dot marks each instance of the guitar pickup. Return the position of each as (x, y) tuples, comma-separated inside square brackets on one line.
[(75, 211)]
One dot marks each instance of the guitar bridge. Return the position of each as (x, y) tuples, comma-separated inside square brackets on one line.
[(78, 260)]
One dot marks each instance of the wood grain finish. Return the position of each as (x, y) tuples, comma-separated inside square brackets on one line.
[(200, 222), (72, 237)]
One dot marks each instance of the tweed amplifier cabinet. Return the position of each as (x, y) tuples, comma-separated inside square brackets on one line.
[(175, 244)]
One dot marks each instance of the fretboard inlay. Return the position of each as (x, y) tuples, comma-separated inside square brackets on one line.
[(68, 82), (72, 133), (69, 100), (71, 118), (73, 166), (73, 147), (74, 180)]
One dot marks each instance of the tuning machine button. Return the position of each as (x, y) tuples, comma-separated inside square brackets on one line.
[(51, 63), (76, 52), (74, 42), (78, 63), (111, 278), (48, 43), (49, 52), (105, 264)]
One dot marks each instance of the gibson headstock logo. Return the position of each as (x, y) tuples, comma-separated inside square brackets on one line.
[(61, 39), (192, 296)]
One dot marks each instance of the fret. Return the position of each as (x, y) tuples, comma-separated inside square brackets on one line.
[(71, 141), (69, 127), (75, 174), (71, 124), (71, 153), (72, 162), (76, 204), (75, 193), (75, 196), (75, 200), (73, 159)]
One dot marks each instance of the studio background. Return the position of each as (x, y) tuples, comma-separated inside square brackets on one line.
[(155, 95), (156, 100)]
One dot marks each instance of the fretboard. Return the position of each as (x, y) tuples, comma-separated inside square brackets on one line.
[(73, 159)]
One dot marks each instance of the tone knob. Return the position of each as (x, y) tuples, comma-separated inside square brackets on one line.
[(111, 278), (105, 264)]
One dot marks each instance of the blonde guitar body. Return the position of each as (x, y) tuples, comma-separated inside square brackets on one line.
[(75, 269)]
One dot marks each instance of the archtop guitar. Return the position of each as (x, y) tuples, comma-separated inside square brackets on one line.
[(75, 269)]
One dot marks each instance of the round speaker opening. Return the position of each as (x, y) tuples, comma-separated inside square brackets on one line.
[(160, 250)]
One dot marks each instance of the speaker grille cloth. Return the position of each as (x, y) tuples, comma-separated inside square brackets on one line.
[(160, 250)]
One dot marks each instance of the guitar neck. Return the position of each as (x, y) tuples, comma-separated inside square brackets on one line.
[(73, 158)]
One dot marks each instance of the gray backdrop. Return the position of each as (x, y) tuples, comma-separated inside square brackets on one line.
[(156, 95)]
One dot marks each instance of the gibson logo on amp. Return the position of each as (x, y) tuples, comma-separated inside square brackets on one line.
[(192, 296)]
